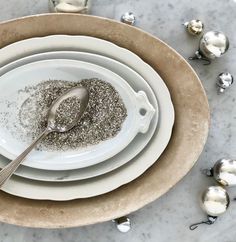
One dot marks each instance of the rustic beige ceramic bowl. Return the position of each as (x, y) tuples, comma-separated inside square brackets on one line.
[(188, 139)]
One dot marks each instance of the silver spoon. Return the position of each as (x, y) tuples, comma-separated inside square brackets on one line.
[(52, 126)]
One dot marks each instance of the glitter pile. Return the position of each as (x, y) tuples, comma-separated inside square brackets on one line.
[(102, 119), (67, 112)]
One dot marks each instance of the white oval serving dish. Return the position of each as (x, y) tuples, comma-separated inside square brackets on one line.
[(71, 70), (135, 147), (126, 173)]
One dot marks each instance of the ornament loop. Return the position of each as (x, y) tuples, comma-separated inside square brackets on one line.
[(207, 172), (194, 226), (208, 62), (211, 220)]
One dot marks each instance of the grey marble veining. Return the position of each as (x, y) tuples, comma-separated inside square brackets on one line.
[(168, 218)]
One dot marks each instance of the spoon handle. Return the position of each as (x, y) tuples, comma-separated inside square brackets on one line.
[(9, 169)]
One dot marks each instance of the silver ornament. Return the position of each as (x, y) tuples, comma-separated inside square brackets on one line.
[(214, 201), (128, 18), (224, 171), (194, 27), (212, 45), (69, 6), (224, 81), (123, 224)]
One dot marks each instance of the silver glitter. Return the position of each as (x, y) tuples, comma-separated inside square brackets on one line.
[(67, 111), (101, 121)]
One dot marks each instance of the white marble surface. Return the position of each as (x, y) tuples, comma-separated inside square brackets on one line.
[(168, 218)]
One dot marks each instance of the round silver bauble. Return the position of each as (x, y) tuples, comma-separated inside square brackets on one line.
[(215, 200), (224, 171), (224, 81), (212, 45), (128, 18), (194, 27)]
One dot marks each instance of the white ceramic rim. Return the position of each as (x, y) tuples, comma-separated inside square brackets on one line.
[(136, 146), (110, 181), (82, 157)]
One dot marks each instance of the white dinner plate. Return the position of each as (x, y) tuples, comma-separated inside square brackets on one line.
[(69, 70), (126, 173), (139, 142)]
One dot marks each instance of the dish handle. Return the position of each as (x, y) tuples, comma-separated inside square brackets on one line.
[(145, 111)]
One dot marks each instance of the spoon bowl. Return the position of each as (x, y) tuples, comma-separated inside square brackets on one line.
[(78, 92)]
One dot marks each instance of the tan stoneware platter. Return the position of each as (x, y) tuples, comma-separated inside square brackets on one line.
[(187, 142)]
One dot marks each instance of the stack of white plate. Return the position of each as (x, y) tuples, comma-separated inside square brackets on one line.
[(96, 169)]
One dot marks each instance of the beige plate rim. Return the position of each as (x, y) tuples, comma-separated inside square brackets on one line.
[(192, 117)]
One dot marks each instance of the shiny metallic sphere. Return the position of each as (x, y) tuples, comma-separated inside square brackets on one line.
[(224, 81), (213, 44), (69, 6), (123, 224), (215, 201), (194, 27), (128, 18), (224, 171)]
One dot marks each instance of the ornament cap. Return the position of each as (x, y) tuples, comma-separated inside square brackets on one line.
[(186, 24), (220, 90), (208, 172), (198, 56)]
